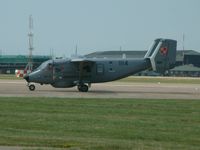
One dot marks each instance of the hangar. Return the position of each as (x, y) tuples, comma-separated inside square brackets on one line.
[(185, 70), (8, 63)]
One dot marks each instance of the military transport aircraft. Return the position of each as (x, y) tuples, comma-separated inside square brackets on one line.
[(82, 72)]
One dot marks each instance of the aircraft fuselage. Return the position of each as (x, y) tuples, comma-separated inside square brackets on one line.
[(67, 74), (62, 73)]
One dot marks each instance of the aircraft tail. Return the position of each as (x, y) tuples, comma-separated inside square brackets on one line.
[(162, 55)]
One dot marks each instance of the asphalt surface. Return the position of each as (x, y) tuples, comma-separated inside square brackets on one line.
[(18, 88)]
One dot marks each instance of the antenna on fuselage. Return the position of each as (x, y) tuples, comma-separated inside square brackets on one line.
[(76, 51)]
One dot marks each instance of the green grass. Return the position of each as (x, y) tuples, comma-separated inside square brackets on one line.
[(182, 80), (96, 124)]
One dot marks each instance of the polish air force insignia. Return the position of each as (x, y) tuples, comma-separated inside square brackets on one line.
[(163, 51)]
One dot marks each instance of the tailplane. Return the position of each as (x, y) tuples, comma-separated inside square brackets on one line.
[(162, 55)]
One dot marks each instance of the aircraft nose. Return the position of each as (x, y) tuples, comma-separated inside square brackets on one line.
[(26, 77)]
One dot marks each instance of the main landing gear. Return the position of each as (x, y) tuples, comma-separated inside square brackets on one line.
[(83, 87), (31, 87)]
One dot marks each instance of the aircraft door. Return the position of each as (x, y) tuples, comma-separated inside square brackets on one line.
[(58, 72)]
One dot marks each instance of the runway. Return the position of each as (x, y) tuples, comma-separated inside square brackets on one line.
[(18, 88)]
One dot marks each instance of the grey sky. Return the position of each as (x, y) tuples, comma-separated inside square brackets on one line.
[(97, 25)]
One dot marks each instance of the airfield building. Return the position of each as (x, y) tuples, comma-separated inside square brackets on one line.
[(8, 63)]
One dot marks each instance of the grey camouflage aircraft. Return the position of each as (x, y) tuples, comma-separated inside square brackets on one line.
[(82, 72)]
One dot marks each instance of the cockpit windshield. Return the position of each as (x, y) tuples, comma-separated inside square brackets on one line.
[(44, 65)]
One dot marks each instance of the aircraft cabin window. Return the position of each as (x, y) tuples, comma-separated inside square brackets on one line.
[(111, 70), (100, 69)]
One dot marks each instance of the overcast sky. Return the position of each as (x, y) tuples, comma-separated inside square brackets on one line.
[(97, 25)]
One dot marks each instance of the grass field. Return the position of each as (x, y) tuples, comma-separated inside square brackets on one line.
[(96, 124)]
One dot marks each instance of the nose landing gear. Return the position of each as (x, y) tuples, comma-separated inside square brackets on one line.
[(31, 87)]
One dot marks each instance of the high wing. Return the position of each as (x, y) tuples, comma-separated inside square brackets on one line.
[(84, 67), (80, 60)]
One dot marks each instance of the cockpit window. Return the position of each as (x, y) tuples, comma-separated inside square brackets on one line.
[(44, 65)]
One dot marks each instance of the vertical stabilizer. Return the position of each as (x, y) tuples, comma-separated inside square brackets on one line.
[(162, 55)]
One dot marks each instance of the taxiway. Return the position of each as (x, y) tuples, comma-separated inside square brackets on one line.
[(18, 88)]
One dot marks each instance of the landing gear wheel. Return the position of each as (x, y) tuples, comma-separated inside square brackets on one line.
[(83, 88), (31, 87)]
